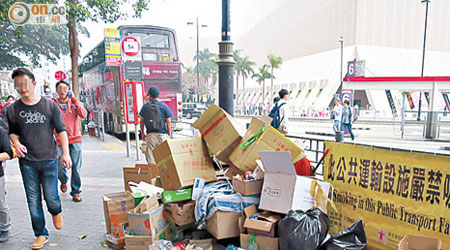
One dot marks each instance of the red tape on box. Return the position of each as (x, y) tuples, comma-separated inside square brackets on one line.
[(215, 124)]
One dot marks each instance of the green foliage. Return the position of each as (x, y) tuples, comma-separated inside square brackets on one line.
[(263, 74)]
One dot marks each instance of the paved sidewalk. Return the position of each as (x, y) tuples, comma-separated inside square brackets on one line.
[(101, 174)]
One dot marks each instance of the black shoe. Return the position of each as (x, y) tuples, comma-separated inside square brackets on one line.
[(4, 236)]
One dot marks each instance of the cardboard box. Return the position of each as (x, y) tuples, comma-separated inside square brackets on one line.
[(134, 242), (265, 225), (180, 161), (138, 173), (177, 195), (269, 140), (232, 171), (206, 244), (264, 243), (283, 190), (416, 242), (116, 202), (180, 213), (114, 242), (247, 187), (147, 219), (223, 225), (220, 131), (119, 224)]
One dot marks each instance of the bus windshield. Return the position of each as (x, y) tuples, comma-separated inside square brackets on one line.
[(152, 40)]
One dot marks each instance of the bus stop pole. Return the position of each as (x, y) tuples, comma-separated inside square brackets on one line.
[(403, 114), (128, 139), (136, 134)]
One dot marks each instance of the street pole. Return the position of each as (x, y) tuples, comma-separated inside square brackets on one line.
[(423, 54), (226, 62), (198, 70), (341, 40)]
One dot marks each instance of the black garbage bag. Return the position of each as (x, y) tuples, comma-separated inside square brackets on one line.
[(351, 238), (303, 230)]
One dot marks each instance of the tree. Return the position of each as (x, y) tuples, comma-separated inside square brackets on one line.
[(260, 77), (246, 67), (29, 45), (107, 11), (275, 62)]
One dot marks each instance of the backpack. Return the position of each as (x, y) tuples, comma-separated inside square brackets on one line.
[(155, 122), (275, 114)]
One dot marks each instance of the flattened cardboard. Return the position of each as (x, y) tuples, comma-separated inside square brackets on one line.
[(270, 140), (223, 225), (204, 244), (264, 243), (416, 242), (180, 213), (283, 190), (116, 202), (247, 187), (180, 161), (138, 173), (220, 131), (133, 242)]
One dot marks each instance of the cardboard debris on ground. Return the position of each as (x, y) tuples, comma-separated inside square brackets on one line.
[(223, 225), (206, 244), (177, 195), (180, 213), (180, 161), (260, 223), (232, 171), (138, 173), (147, 219), (283, 190), (134, 242), (268, 140), (416, 242), (264, 243), (116, 202), (113, 242), (220, 131)]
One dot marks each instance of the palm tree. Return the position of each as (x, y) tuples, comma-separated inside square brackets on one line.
[(275, 62), (247, 70), (261, 76)]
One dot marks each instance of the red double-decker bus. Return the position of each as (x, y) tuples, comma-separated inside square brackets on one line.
[(103, 85)]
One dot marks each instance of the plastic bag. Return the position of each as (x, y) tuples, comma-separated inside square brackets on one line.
[(233, 247), (352, 238), (303, 230)]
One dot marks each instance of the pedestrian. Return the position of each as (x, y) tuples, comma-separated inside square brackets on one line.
[(337, 115), (347, 118), (279, 112), (5, 154), (31, 121), (155, 116), (9, 100), (72, 110)]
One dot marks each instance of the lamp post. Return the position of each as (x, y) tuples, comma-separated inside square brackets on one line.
[(341, 40), (197, 56), (423, 53)]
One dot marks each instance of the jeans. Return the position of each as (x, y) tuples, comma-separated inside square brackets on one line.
[(5, 217), (336, 126), (34, 175), (349, 127), (75, 179)]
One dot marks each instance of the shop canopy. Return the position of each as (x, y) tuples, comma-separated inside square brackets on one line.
[(403, 83)]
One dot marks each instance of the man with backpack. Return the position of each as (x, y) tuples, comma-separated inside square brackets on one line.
[(279, 112), (155, 116)]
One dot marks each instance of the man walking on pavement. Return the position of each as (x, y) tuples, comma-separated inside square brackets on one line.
[(31, 121), (72, 110), (279, 112), (155, 115)]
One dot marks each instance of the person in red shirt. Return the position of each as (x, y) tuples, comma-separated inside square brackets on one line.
[(72, 110)]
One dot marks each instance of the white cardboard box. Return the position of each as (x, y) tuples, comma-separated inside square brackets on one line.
[(283, 190)]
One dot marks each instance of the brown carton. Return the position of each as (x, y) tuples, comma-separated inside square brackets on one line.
[(220, 131), (265, 225), (266, 138), (416, 242), (134, 242), (180, 161), (223, 225), (264, 243), (147, 219), (180, 213), (116, 203), (247, 187), (138, 173)]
